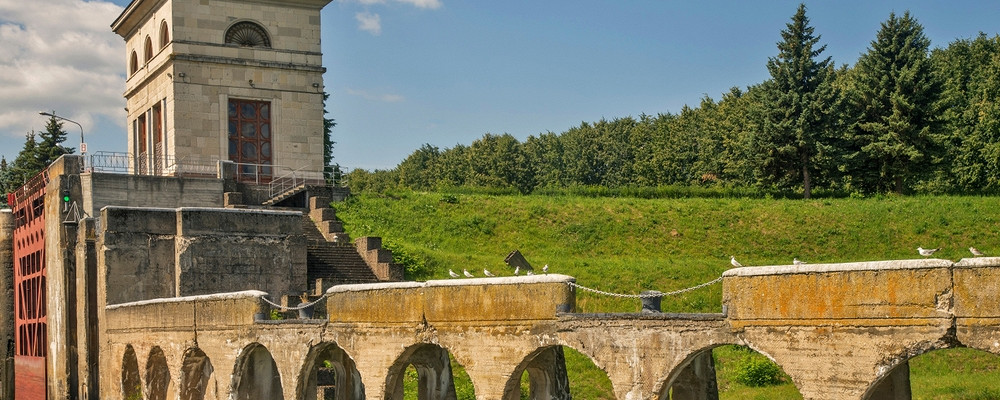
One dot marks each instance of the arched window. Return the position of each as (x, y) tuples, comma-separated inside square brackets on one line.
[(149, 50), (164, 34), (133, 64), (247, 34)]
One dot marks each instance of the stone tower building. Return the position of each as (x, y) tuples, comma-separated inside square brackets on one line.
[(211, 80)]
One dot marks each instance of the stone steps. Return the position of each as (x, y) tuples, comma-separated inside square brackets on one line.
[(334, 263)]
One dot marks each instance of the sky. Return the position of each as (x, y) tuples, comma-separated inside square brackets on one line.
[(402, 73)]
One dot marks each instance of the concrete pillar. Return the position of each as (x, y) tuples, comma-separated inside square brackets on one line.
[(896, 386), (6, 305), (697, 380), (433, 373), (547, 372), (86, 317)]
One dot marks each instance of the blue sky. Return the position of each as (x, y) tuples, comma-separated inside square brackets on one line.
[(406, 72)]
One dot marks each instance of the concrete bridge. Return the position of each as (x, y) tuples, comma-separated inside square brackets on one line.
[(840, 331)]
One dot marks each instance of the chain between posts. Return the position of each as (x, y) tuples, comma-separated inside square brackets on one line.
[(647, 295), (298, 307)]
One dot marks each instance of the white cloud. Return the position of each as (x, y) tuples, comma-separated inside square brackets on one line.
[(372, 22), (369, 22), (59, 57), (385, 97), (432, 4)]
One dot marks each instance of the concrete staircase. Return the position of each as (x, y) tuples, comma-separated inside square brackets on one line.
[(332, 258)]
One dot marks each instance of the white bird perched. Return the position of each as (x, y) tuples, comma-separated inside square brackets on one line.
[(467, 274), (927, 252), (797, 261), (732, 260), (517, 270), (487, 272), (529, 273), (545, 269), (975, 252), (452, 274)]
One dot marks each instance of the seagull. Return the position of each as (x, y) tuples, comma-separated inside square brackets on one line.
[(517, 270), (732, 260), (545, 269), (529, 273), (976, 252), (926, 252), (487, 272), (467, 274), (452, 274), (797, 261)]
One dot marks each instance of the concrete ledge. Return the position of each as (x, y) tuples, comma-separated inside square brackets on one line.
[(840, 267), (159, 221), (185, 313), (503, 280), (978, 262), (193, 221)]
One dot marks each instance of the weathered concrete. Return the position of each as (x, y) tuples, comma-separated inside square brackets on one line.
[(6, 304), (101, 190), (857, 320), (840, 331), (976, 300)]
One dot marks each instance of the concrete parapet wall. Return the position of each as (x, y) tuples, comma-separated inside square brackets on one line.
[(221, 310), (977, 303), (508, 300), (904, 292), (101, 190)]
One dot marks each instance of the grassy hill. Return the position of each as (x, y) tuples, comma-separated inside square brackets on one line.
[(626, 245)]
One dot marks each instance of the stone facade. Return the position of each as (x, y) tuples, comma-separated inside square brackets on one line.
[(179, 95)]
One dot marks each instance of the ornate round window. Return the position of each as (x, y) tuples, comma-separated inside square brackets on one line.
[(247, 34)]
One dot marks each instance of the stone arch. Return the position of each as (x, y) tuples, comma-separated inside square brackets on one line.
[(131, 383), (893, 380), (328, 369), (256, 376), (196, 376), (148, 50), (696, 376), (164, 34), (547, 375), (434, 373), (157, 375)]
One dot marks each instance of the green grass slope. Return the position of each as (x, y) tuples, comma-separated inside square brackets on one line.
[(626, 245)]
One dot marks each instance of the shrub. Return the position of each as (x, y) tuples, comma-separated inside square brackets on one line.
[(757, 372)]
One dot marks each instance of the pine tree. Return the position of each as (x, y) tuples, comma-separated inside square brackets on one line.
[(893, 92), (49, 146), (797, 104), (27, 164)]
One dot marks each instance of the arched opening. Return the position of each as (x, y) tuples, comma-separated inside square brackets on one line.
[(149, 50), (247, 34), (330, 374), (953, 373), (133, 64), (164, 34), (728, 372), (157, 376), (431, 375), (131, 385), (256, 375), (558, 372), (196, 375)]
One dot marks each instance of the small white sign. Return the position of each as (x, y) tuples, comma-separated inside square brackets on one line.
[(83, 148)]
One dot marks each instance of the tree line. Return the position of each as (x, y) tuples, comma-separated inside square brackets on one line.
[(904, 118), (40, 149)]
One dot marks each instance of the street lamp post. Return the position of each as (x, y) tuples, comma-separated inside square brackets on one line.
[(83, 145)]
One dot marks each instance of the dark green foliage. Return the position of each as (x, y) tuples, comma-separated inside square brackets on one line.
[(758, 371), (798, 109), (894, 93)]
